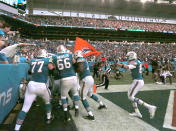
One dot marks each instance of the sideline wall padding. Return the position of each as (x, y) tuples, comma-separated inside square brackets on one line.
[(10, 79)]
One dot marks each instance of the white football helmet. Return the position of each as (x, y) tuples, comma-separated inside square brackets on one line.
[(78, 53), (42, 53), (131, 55), (61, 49)]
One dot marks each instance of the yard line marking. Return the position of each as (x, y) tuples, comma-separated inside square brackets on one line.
[(169, 112)]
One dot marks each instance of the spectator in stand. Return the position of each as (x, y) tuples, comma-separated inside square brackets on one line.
[(4, 28), (92, 22), (146, 68)]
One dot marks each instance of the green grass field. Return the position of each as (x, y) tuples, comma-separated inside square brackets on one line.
[(126, 79)]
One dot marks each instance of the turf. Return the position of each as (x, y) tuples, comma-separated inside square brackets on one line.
[(126, 79), (158, 98), (35, 120)]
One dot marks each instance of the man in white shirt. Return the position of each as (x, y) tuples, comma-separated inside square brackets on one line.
[(10, 51)]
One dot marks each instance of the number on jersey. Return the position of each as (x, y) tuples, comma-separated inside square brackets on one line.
[(140, 68), (62, 64), (40, 63), (87, 65)]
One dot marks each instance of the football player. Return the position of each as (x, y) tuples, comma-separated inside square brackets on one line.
[(37, 87), (136, 71), (68, 82), (86, 83)]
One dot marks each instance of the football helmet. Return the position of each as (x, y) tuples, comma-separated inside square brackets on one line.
[(61, 49), (131, 55), (68, 51), (42, 53), (78, 53)]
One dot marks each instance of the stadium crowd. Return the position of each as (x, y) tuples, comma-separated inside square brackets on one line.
[(92, 22), (112, 51)]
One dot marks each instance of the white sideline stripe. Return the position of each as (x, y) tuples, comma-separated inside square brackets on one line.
[(169, 113)]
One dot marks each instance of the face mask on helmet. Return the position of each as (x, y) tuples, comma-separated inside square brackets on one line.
[(78, 54), (131, 55), (42, 53), (61, 49)]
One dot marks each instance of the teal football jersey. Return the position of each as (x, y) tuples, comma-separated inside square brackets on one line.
[(136, 73), (39, 69), (86, 71), (64, 65)]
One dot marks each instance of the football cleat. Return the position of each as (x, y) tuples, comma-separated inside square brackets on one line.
[(102, 107), (134, 114), (76, 112), (66, 116), (89, 117), (152, 111), (48, 121)]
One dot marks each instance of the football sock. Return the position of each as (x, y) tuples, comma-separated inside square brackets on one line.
[(76, 101), (94, 97), (20, 119), (64, 103), (49, 115), (86, 105)]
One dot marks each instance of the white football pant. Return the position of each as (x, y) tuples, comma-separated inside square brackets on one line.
[(33, 90), (86, 85), (70, 83), (134, 88)]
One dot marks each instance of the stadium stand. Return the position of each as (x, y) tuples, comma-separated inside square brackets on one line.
[(90, 22)]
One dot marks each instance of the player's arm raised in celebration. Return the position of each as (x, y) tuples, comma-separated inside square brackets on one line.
[(131, 65)]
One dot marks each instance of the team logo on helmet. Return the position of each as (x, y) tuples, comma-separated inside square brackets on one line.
[(42, 53), (61, 49)]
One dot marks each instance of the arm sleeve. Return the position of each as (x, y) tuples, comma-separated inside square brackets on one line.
[(132, 65)]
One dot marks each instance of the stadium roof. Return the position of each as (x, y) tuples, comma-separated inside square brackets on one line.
[(147, 8)]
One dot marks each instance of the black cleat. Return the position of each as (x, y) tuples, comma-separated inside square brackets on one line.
[(102, 107), (68, 107), (89, 117), (66, 116), (76, 112), (48, 121)]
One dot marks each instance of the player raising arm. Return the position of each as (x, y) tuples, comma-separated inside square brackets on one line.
[(136, 71)]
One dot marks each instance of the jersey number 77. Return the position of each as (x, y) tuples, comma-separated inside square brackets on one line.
[(37, 63)]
